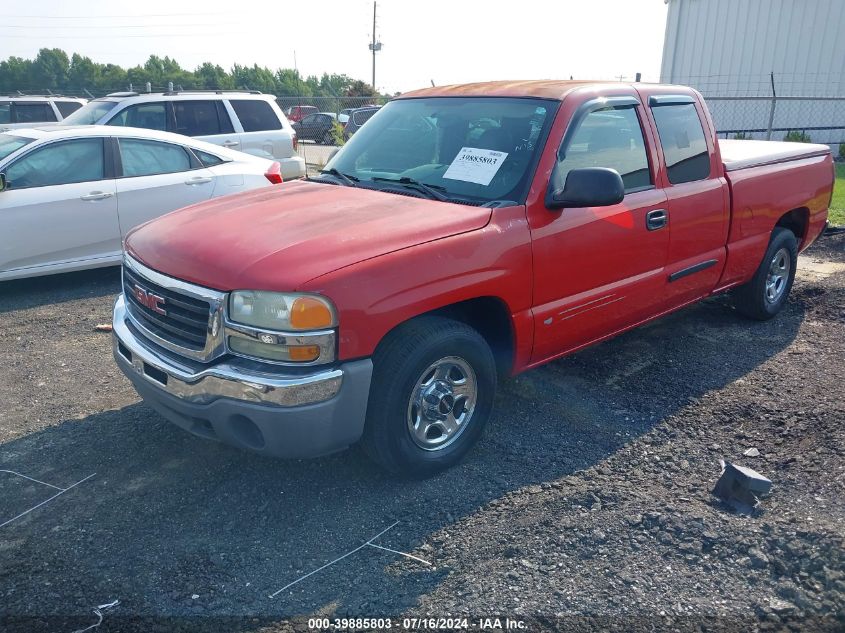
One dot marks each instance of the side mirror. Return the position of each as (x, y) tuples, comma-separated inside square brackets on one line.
[(589, 187), (3, 182)]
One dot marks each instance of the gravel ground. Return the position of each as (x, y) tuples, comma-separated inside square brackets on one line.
[(586, 506)]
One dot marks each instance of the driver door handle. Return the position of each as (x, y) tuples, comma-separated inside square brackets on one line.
[(230, 143), (97, 195), (198, 180), (656, 219)]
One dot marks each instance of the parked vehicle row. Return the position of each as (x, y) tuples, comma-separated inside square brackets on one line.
[(251, 122), (28, 110), (311, 125), (463, 234), (68, 195)]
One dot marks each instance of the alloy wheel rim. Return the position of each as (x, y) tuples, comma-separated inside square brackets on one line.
[(778, 276), (442, 403)]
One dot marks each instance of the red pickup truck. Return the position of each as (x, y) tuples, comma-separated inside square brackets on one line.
[(466, 233)]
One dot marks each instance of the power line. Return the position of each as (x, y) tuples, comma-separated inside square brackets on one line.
[(123, 15), (110, 26), (121, 35)]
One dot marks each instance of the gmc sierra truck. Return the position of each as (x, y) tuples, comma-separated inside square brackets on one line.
[(465, 233)]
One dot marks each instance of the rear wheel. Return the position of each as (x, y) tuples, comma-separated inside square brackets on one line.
[(431, 396), (767, 292)]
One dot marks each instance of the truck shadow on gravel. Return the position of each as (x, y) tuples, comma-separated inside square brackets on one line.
[(174, 525)]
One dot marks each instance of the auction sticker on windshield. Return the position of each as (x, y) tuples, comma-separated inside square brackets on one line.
[(475, 165)]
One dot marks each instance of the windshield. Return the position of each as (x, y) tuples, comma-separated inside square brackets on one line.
[(10, 143), (90, 113), (476, 149)]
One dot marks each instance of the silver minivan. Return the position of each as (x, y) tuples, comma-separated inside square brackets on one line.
[(248, 121)]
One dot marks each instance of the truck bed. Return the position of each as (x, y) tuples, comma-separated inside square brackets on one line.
[(744, 154)]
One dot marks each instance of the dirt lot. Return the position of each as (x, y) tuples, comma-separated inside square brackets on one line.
[(587, 505)]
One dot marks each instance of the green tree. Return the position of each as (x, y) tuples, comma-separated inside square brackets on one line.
[(50, 69), (211, 77), (360, 88), (15, 74), (53, 70), (83, 73)]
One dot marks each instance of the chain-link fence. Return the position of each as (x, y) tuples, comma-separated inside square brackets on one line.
[(816, 119)]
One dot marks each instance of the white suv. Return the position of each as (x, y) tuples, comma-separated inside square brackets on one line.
[(28, 110), (248, 121)]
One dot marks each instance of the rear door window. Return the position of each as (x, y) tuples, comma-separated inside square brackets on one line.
[(147, 158), (151, 116), (683, 142), (34, 112), (613, 138), (256, 115), (68, 107), (61, 163), (196, 118)]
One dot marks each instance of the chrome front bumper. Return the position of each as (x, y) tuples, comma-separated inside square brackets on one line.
[(222, 380), (281, 415)]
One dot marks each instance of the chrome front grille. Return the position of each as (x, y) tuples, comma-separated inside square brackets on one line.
[(181, 317)]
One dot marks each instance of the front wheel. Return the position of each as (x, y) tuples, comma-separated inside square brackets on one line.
[(431, 396), (767, 292)]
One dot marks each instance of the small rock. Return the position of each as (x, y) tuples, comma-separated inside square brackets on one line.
[(599, 536), (533, 490), (757, 559), (752, 452), (781, 606), (194, 596)]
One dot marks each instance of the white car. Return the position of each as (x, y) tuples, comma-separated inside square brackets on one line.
[(241, 120), (28, 110), (69, 195)]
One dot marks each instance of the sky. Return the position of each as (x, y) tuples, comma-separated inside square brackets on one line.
[(444, 41)]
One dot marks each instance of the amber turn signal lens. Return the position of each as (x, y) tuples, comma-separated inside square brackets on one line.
[(304, 353), (308, 313)]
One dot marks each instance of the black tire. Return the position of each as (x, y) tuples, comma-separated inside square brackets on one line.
[(328, 139), (754, 299), (398, 364)]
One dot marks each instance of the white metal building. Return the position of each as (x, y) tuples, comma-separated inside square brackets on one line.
[(729, 47), (739, 48)]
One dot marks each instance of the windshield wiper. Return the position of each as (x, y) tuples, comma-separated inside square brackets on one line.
[(430, 190), (346, 179)]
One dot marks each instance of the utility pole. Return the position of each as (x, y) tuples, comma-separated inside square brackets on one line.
[(375, 45)]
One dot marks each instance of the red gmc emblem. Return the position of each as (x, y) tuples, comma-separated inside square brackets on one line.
[(149, 300)]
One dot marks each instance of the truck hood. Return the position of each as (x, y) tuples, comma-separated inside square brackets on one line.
[(278, 238)]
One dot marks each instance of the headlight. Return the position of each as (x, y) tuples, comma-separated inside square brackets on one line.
[(279, 311), (281, 327)]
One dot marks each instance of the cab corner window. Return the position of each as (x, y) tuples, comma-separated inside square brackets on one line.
[(608, 137), (683, 142), (61, 163)]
